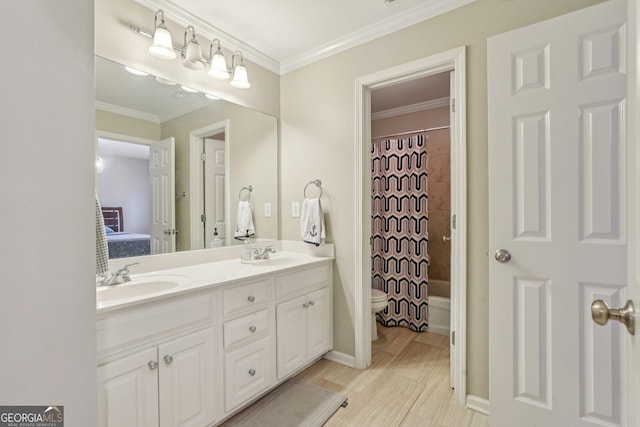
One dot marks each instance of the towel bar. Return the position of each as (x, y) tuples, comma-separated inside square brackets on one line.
[(249, 189), (317, 183)]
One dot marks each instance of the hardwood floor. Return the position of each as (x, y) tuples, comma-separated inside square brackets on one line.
[(407, 384)]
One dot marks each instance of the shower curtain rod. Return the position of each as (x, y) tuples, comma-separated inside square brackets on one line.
[(413, 131)]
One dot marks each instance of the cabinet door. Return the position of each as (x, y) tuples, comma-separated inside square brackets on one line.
[(291, 335), (247, 372), (128, 391), (187, 379), (319, 327)]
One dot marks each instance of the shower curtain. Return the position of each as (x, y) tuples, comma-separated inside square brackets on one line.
[(399, 229)]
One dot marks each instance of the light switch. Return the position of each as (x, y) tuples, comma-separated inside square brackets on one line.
[(267, 210), (295, 209)]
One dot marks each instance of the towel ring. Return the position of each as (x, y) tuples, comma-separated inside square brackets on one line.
[(249, 189), (317, 183)]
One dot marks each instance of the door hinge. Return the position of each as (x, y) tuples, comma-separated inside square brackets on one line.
[(453, 221), (203, 218), (453, 337), (453, 105), (203, 157)]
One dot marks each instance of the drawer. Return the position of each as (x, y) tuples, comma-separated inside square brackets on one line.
[(246, 328), (245, 298), (153, 320), (301, 282), (248, 371)]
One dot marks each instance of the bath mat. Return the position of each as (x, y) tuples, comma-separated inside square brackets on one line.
[(294, 403)]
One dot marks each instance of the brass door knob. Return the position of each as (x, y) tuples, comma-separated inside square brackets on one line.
[(601, 313)]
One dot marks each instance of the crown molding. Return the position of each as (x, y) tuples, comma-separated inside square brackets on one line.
[(406, 19), (208, 31), (129, 112), (428, 105), (135, 114)]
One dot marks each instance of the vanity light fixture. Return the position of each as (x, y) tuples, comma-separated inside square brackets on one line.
[(188, 89), (162, 46), (240, 78), (218, 69), (191, 53), (135, 71), (99, 164)]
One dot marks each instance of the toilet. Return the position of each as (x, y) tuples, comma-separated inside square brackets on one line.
[(379, 302)]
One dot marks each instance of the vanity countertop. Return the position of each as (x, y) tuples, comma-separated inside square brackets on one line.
[(185, 278)]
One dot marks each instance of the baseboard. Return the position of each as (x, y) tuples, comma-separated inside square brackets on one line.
[(342, 358), (478, 404)]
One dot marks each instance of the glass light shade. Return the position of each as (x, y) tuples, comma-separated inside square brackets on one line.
[(162, 46), (193, 56), (188, 89), (99, 164), (135, 71), (218, 68), (240, 78), (211, 97), (165, 81)]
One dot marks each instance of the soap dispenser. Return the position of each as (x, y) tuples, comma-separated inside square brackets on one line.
[(246, 256), (216, 242)]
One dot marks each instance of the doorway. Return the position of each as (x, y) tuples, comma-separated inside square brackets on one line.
[(209, 208), (450, 61)]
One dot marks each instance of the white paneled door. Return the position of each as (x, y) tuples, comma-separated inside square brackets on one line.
[(558, 228), (163, 201)]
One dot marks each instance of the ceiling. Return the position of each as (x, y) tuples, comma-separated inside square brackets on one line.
[(297, 32)]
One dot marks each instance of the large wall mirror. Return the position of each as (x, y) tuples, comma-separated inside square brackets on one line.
[(177, 167)]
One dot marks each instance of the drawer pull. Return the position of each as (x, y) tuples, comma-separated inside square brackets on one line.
[(168, 359), (251, 298), (252, 328), (252, 372), (152, 365)]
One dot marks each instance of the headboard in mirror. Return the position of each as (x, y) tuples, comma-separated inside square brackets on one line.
[(218, 148)]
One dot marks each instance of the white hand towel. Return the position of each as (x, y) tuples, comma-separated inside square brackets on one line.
[(244, 222), (312, 222)]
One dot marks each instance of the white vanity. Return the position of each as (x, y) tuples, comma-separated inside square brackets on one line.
[(194, 343)]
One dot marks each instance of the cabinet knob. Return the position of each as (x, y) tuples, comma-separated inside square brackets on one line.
[(252, 328), (152, 365), (305, 305), (251, 298), (252, 372), (311, 302), (168, 359)]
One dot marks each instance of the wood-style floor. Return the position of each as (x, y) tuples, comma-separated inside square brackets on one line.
[(407, 384)]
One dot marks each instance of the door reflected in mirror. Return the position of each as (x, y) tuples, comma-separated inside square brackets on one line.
[(178, 198)]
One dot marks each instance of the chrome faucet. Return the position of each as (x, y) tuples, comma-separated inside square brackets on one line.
[(120, 276), (264, 253)]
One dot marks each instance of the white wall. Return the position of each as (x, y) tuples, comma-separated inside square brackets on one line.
[(47, 290), (318, 141), (125, 182)]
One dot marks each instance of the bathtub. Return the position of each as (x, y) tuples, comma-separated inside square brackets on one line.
[(439, 306)]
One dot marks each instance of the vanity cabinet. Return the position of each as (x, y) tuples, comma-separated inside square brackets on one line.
[(248, 340), (158, 365), (198, 357), (304, 321)]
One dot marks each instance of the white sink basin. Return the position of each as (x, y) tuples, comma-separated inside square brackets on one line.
[(138, 287)]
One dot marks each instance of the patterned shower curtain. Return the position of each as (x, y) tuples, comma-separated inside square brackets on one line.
[(399, 229)]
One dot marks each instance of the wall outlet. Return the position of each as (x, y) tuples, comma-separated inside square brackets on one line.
[(267, 210), (295, 209)]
